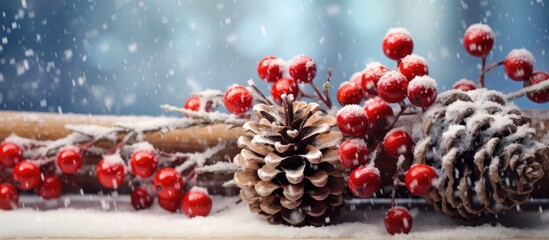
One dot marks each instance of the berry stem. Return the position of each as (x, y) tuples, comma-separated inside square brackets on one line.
[(403, 108), (329, 105), (258, 92), (482, 73), (530, 89), (492, 67), (123, 142), (325, 98)]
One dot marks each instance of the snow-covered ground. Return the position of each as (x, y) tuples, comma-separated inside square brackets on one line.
[(108, 217)]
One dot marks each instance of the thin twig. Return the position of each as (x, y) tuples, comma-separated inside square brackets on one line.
[(530, 89), (482, 73), (251, 84)]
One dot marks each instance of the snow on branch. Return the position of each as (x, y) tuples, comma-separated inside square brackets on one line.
[(96, 132), (210, 117), (530, 89), (162, 124), (220, 167)]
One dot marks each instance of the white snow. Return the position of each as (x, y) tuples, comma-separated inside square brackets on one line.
[(415, 59), (481, 28), (352, 110), (425, 82), (399, 30), (521, 55), (114, 159)]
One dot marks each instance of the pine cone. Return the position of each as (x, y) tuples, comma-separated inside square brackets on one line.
[(291, 172), (484, 150)]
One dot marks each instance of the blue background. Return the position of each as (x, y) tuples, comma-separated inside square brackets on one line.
[(128, 57)]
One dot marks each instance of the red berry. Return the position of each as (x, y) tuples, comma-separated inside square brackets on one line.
[(356, 78), (302, 68), (238, 100), (353, 153), (168, 183), (364, 181), (398, 142), (370, 77), (26, 175), (9, 197), (420, 179), (379, 113), (478, 40), (519, 64), (392, 87), (170, 204), (193, 104), (111, 171), (422, 91), (10, 154), (141, 199), (397, 43), (412, 66), (69, 160), (284, 86), (50, 188), (540, 96), (398, 220), (196, 203), (352, 121), (270, 68), (464, 85), (143, 163), (349, 93)]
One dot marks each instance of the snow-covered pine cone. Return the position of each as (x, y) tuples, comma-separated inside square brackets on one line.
[(484, 150), (291, 172)]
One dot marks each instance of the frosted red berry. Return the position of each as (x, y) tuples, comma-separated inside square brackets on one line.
[(420, 179), (284, 86), (352, 121), (398, 220), (141, 199), (478, 40), (170, 204), (110, 172), (50, 187), (464, 85), (539, 96), (143, 163), (168, 183), (69, 160), (26, 175), (370, 77), (519, 64), (412, 66), (364, 181), (9, 197), (270, 68), (379, 112), (397, 43), (10, 154), (422, 91), (302, 68), (238, 100), (349, 93), (353, 153), (392, 87), (398, 142), (196, 203)]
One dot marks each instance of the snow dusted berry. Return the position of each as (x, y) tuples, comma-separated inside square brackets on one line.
[(69, 160), (420, 179), (196, 202), (193, 104), (26, 175), (422, 91), (9, 197), (168, 183), (10, 154), (284, 86), (270, 68), (352, 121), (370, 77), (143, 163), (392, 87), (398, 142), (519, 64), (170, 204), (397, 43), (540, 96), (464, 85), (353, 153), (364, 181), (349, 93), (379, 113), (356, 78), (412, 66), (238, 100), (478, 40), (50, 187), (302, 68), (141, 199), (111, 171), (398, 220)]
